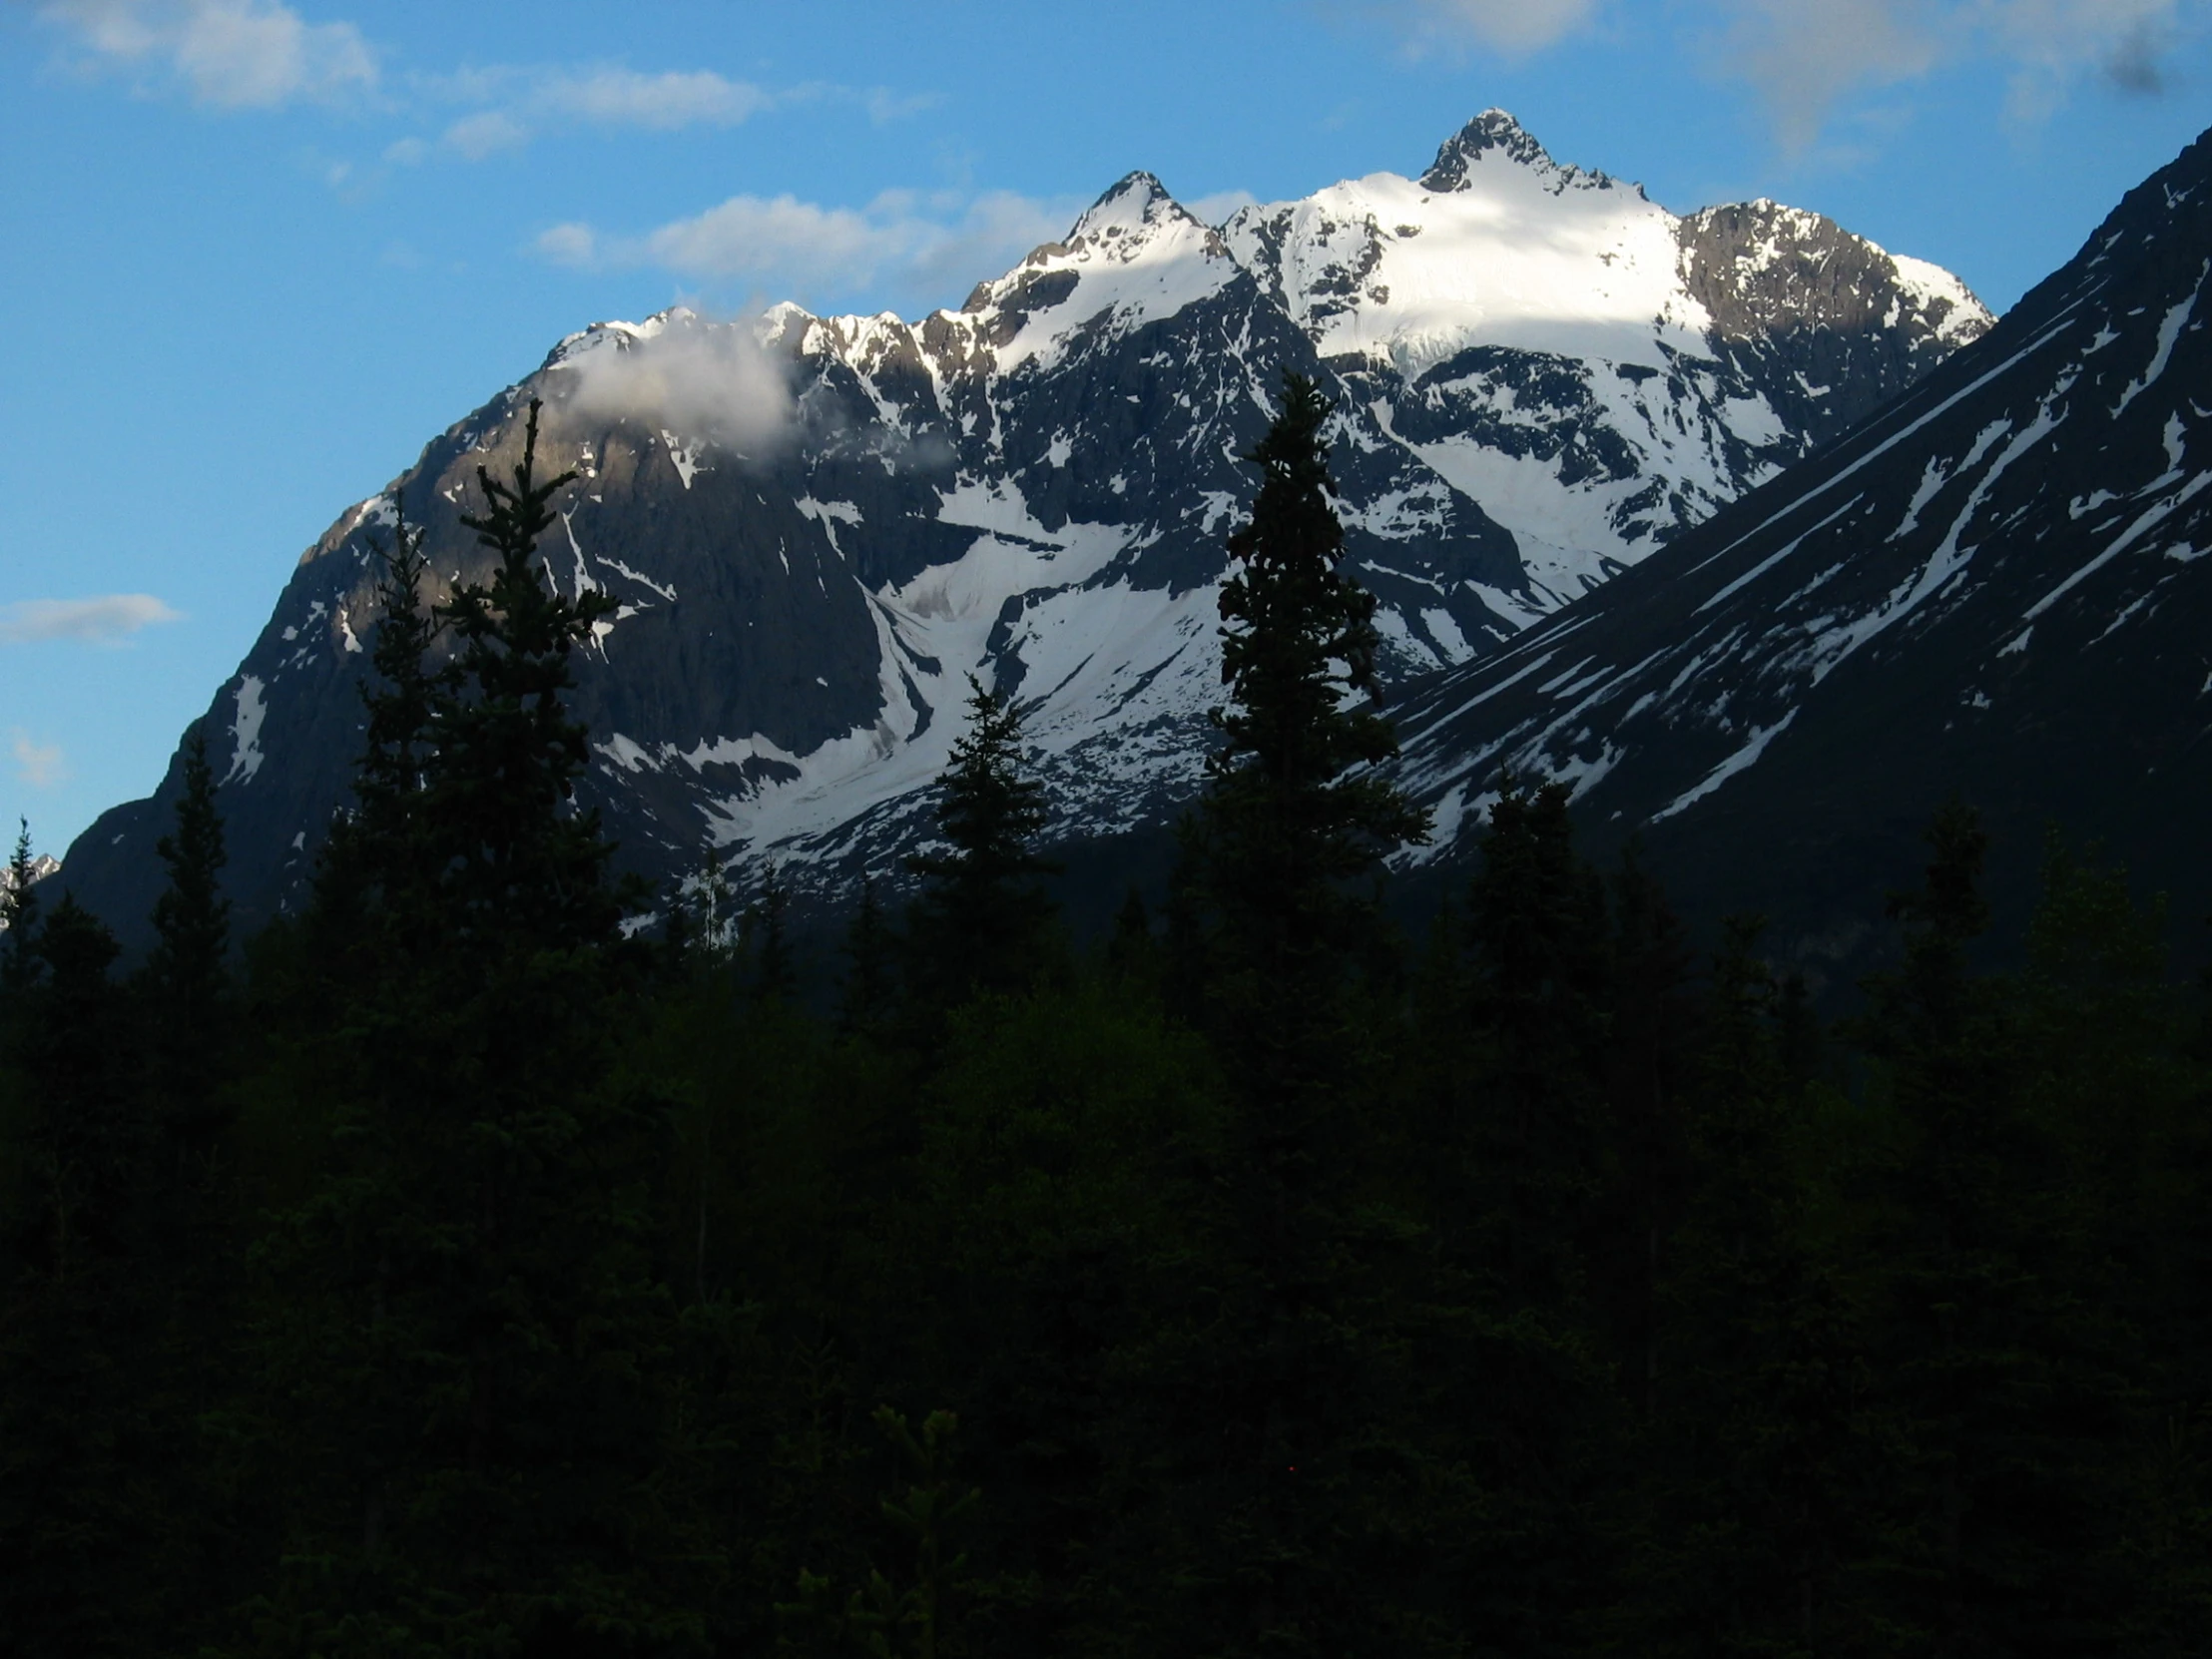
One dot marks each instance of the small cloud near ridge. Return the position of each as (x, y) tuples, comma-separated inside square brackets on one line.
[(1220, 205), (41, 766), (701, 378), (100, 621), (782, 242), (231, 54)]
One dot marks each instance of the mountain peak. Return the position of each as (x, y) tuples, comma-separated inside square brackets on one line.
[(1130, 208), (1494, 133)]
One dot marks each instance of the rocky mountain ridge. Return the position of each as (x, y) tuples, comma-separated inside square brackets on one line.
[(819, 527), (1994, 588)]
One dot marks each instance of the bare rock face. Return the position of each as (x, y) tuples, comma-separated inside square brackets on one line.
[(819, 527), (1828, 325)]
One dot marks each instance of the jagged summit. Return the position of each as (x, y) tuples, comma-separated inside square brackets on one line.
[(1134, 205), (1496, 134), (1134, 220)]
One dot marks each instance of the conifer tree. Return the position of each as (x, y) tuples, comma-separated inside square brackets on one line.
[(1295, 821), (190, 1198), (1984, 1364), (1284, 850), (1282, 862), (19, 909), (519, 864), (471, 1322), (864, 994), (185, 976), (81, 1442), (1515, 1166), (1533, 1137), (775, 968), (982, 922), (1132, 950), (379, 849), (1649, 1036), (1756, 1461)]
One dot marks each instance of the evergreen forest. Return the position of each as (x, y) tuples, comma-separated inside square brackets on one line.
[(496, 1258)]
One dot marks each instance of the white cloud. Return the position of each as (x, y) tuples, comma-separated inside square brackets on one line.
[(750, 238), (1803, 55), (39, 765), (790, 246), (1219, 206), (101, 620), (514, 103), (233, 54), (1514, 27), (885, 106), (666, 102), (486, 132), (2050, 43), (573, 245), (702, 380)]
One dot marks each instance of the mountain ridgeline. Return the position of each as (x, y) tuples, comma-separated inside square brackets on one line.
[(814, 528), (1993, 588)]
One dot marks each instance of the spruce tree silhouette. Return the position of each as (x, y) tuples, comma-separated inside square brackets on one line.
[(1283, 858), (983, 920)]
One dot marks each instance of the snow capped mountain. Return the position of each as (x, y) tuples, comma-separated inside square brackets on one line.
[(41, 867), (1995, 587), (1598, 373), (819, 527)]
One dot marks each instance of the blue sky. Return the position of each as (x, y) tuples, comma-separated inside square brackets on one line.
[(253, 253)]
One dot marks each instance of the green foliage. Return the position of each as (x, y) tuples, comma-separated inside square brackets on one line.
[(913, 1608)]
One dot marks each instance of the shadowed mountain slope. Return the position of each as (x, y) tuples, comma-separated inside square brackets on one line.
[(1996, 587)]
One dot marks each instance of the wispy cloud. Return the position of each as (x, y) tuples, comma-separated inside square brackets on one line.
[(1800, 58), (486, 132), (885, 106), (1512, 27), (101, 621), (710, 379), (784, 244), (39, 765), (1803, 55), (263, 54), (1216, 208), (510, 105), (661, 103), (230, 54)]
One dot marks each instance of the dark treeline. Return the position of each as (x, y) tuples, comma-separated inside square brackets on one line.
[(462, 1269)]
